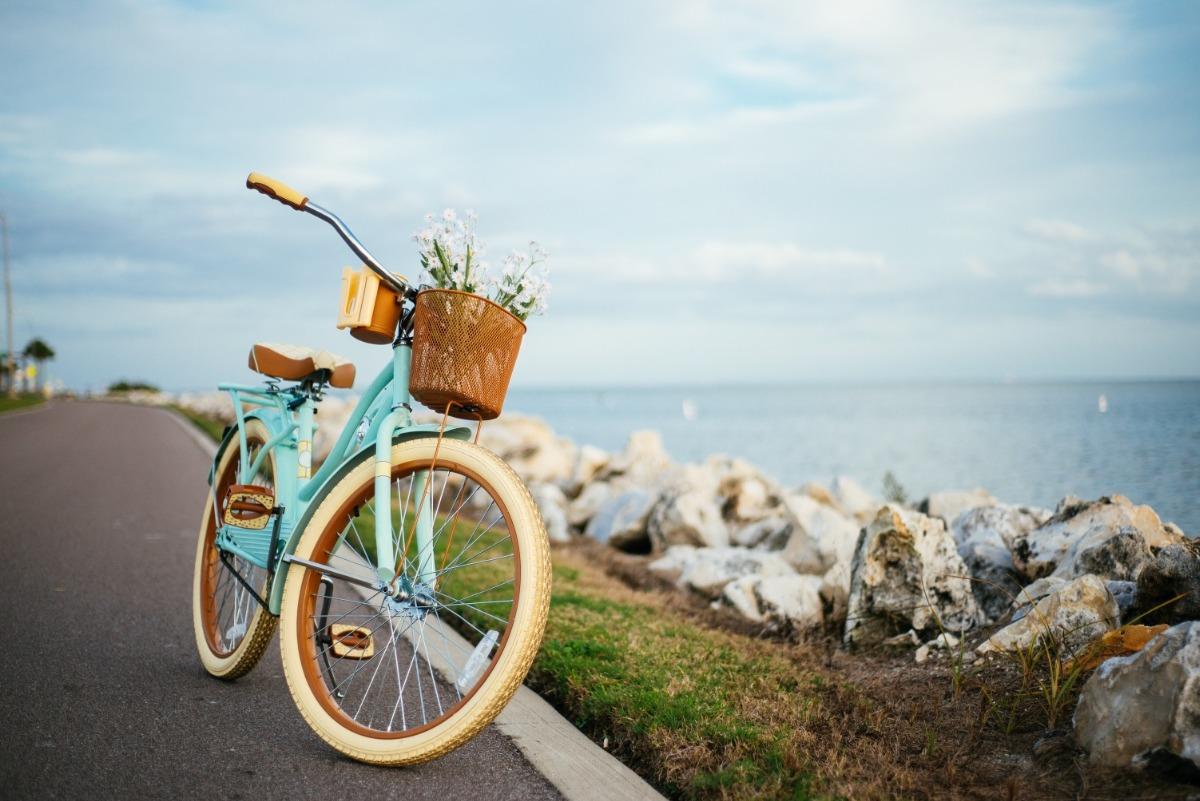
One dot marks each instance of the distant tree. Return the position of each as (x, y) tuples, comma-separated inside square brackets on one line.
[(893, 490), (125, 385), (40, 352), (5, 377)]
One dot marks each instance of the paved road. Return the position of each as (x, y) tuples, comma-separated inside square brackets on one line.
[(101, 693)]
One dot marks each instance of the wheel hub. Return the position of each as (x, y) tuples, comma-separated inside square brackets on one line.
[(411, 600)]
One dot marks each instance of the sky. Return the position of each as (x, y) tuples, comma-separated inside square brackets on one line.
[(751, 192)]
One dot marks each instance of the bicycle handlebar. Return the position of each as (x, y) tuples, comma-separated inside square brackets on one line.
[(290, 197), (276, 189)]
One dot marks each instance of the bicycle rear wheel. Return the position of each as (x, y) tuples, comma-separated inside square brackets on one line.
[(403, 673), (232, 630)]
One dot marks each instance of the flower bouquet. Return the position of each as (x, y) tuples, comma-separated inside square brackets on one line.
[(468, 326)]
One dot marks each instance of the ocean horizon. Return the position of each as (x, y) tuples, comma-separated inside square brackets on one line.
[(1026, 442)]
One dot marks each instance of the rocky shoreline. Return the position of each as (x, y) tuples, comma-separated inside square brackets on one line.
[(959, 576)]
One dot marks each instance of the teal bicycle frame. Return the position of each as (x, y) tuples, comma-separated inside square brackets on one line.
[(382, 417)]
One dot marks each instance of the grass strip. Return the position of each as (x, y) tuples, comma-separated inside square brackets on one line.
[(700, 712), (208, 425), (8, 404)]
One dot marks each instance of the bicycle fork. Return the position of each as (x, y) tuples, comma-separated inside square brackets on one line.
[(385, 552)]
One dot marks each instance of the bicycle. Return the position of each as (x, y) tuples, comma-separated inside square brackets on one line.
[(402, 632)]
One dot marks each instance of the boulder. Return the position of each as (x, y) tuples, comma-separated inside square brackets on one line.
[(770, 533), (332, 415), (621, 521), (1173, 571), (644, 463), (820, 494), (708, 570), (213, 405), (688, 512), (984, 536), (1069, 619), (531, 448), (949, 504), (585, 505), (835, 591), (588, 463), (552, 503), (746, 493), (740, 595), (789, 599), (1032, 593), (1135, 708), (1109, 537), (821, 536), (907, 573), (1126, 594), (854, 500)]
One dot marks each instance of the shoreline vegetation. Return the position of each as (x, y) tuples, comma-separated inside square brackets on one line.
[(731, 638)]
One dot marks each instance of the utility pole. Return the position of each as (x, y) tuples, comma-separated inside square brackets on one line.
[(12, 364)]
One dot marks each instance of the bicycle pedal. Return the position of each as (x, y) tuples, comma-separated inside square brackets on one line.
[(248, 506), (350, 642)]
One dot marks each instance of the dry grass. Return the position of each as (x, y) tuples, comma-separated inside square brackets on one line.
[(706, 712)]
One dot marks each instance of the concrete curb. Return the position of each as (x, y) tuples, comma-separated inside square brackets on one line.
[(578, 768)]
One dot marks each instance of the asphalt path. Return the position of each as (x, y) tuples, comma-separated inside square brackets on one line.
[(101, 693)]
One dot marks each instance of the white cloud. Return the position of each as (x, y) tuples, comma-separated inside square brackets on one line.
[(725, 262), (1057, 231), (1122, 263), (934, 69), (1076, 262), (979, 268), (1067, 288), (719, 125)]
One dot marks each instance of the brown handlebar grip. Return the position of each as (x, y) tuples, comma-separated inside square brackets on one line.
[(276, 189)]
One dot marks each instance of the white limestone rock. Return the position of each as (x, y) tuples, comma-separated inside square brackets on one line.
[(747, 494), (788, 599), (588, 463), (1136, 706), (739, 594), (552, 503), (907, 573), (1109, 537), (708, 570), (688, 512), (643, 463), (854, 500), (949, 504), (1070, 617), (791, 599), (984, 536), (821, 536), (621, 520), (770, 533), (585, 505), (531, 448), (1034, 592)]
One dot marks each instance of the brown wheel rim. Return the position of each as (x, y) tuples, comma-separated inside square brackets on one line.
[(398, 643), (224, 602)]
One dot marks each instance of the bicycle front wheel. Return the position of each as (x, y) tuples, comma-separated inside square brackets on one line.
[(406, 671)]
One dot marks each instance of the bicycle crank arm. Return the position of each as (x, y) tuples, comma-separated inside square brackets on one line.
[(377, 586)]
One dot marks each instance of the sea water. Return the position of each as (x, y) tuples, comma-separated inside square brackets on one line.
[(1025, 443)]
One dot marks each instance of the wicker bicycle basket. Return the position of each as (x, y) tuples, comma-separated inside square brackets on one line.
[(464, 351)]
